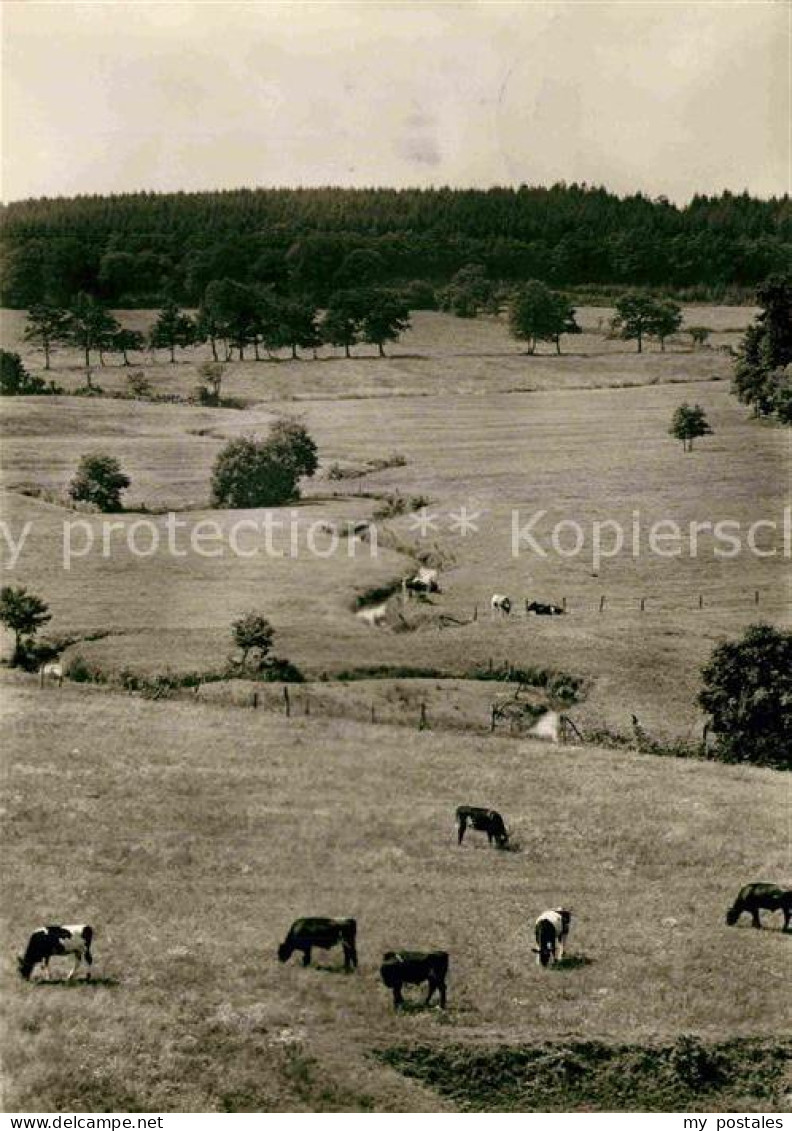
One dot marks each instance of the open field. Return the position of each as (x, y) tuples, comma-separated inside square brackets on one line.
[(191, 836), (440, 354), (191, 831), (585, 456)]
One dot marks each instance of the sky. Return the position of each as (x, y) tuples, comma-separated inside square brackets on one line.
[(666, 98)]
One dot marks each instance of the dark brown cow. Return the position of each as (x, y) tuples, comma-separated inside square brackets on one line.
[(304, 934), (487, 821), (754, 898), (411, 967)]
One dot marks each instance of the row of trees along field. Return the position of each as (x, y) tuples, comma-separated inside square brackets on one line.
[(137, 249), (238, 316)]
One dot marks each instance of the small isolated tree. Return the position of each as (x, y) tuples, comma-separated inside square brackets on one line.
[(699, 336), (171, 330), (470, 291), (687, 424), (253, 635), (747, 694), (139, 385), (99, 481), (46, 326), (24, 613)]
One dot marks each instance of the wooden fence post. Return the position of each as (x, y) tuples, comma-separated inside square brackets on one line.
[(701, 600), (254, 700), (307, 704), (373, 714), (602, 602), (756, 596), (563, 603), (422, 723), (643, 603), (489, 664), (493, 716), (287, 701), (475, 612)]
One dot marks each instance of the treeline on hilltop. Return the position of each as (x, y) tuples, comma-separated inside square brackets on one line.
[(141, 248)]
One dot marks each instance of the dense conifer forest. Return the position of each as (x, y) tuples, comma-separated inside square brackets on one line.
[(140, 248)]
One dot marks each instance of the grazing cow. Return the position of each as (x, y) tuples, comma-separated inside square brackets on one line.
[(551, 930), (374, 616), (324, 933), (52, 670), (411, 967), (483, 820), (48, 941), (755, 897), (537, 609), (500, 605)]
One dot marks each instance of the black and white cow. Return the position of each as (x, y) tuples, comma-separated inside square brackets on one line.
[(304, 934), (411, 967), (500, 605), (537, 609), (754, 898), (424, 581), (487, 821), (550, 931), (56, 940)]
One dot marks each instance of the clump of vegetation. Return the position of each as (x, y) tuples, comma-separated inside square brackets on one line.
[(15, 381), (688, 423), (747, 694), (250, 472), (253, 635), (537, 314), (208, 392), (99, 481), (591, 1075), (699, 336), (640, 315), (24, 614), (138, 385), (763, 371)]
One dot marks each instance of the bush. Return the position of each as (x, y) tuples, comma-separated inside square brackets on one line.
[(748, 695), (99, 481), (250, 472), (15, 381), (139, 385)]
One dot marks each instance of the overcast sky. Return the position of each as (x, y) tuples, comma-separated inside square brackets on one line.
[(666, 98)]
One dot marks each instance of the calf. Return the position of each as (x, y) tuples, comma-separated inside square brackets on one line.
[(551, 930), (500, 605), (755, 897), (411, 967), (483, 820), (537, 609), (424, 581), (324, 933), (48, 941)]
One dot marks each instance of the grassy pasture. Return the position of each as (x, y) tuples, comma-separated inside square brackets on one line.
[(591, 455), (191, 836), (439, 354)]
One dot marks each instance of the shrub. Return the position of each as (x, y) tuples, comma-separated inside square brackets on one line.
[(24, 613), (139, 385), (99, 481), (747, 693), (250, 472), (15, 381)]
